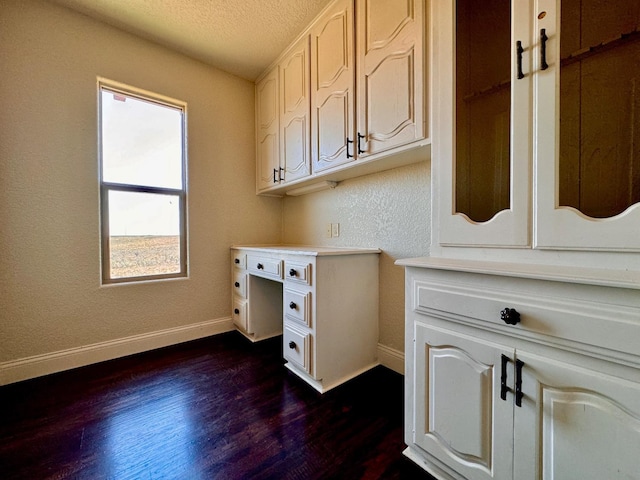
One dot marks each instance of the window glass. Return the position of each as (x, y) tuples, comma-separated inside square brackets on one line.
[(144, 234), (143, 186), (141, 142)]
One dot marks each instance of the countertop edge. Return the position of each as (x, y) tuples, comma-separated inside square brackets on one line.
[(557, 273), (316, 251)]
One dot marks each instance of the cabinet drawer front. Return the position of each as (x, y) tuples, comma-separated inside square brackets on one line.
[(607, 329), (239, 314), (297, 348), (297, 306), (297, 272), (240, 284), (264, 266), (239, 260)]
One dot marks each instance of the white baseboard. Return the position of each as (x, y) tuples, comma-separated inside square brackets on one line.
[(391, 358), (38, 365)]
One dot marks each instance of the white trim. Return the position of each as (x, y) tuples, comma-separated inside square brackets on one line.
[(38, 365), (391, 358)]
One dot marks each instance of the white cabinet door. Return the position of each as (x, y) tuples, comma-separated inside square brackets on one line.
[(294, 113), (482, 122), (390, 76), (575, 424), (267, 132), (587, 155), (332, 88), (459, 415)]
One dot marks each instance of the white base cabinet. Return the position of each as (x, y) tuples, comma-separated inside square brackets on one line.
[(554, 396), (323, 301)]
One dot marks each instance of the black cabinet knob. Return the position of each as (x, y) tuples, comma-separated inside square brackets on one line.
[(510, 316), (236, 260), (237, 284), (293, 273), (292, 306), (260, 266), (236, 311), (292, 345)]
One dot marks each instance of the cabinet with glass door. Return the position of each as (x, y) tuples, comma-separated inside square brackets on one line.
[(535, 129)]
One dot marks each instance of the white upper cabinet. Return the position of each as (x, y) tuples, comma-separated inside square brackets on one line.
[(387, 70), (535, 116), (352, 94), (587, 110), (333, 87), (390, 74), (267, 131), (482, 122), (294, 114)]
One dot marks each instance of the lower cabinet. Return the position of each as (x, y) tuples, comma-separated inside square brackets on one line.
[(459, 419), (575, 423), (491, 401)]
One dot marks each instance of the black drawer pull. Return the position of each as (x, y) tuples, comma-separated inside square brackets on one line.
[(236, 311), (519, 51), (519, 394), (543, 49), (510, 316), (503, 378), (292, 306), (236, 261), (260, 266), (293, 273), (237, 284), (292, 345), (360, 137)]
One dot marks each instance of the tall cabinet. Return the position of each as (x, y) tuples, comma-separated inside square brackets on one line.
[(522, 327), (295, 122), (267, 131)]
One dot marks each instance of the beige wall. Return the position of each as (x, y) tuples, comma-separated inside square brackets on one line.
[(388, 210), (50, 293)]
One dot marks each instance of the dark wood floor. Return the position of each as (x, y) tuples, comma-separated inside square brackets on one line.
[(220, 407)]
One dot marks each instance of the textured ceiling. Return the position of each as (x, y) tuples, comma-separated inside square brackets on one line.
[(240, 36)]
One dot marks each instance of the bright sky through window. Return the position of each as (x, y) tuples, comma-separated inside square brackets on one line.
[(143, 186)]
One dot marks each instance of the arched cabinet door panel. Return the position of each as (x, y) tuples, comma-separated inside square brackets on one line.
[(390, 77), (459, 415), (482, 123), (267, 131), (587, 155), (575, 423), (295, 126), (332, 88)]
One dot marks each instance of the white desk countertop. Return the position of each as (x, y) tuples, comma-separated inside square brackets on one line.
[(306, 249)]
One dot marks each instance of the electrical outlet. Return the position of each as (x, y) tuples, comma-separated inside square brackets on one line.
[(328, 230), (335, 229)]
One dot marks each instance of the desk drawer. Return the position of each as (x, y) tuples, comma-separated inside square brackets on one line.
[(265, 266), (297, 347), (297, 272), (240, 313), (240, 284), (297, 306), (239, 259)]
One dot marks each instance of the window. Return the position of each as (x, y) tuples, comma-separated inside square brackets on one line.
[(142, 185)]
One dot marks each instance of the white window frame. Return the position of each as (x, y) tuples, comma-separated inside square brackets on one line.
[(106, 187)]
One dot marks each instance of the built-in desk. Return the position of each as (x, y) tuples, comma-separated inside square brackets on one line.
[(322, 300)]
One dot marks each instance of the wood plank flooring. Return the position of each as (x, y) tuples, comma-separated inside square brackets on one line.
[(219, 407)]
